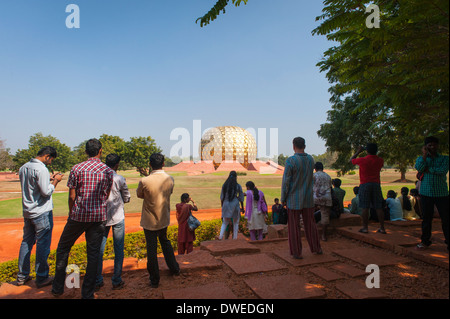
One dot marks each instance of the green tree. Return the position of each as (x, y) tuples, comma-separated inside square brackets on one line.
[(6, 162), (401, 66), (110, 144), (136, 152), (79, 152), (328, 159), (219, 7), (62, 163)]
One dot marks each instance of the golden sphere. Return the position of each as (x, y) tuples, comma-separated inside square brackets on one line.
[(228, 144)]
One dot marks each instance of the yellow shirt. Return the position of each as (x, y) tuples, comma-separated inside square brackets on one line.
[(155, 190)]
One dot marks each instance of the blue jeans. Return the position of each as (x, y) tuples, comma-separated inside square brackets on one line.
[(36, 231), (118, 232)]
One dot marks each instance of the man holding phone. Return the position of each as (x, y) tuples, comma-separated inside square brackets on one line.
[(37, 189), (433, 189)]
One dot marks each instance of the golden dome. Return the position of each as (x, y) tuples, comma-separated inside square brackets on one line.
[(228, 143)]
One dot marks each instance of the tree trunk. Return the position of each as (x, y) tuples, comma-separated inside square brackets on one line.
[(402, 174)]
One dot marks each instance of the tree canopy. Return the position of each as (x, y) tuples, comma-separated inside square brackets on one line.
[(401, 68), (63, 162), (136, 152), (389, 84)]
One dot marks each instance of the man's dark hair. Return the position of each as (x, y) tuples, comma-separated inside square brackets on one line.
[(356, 190), (372, 148), (48, 150), (93, 147), (336, 182), (318, 166), (299, 142), (431, 139), (156, 161), (112, 160), (184, 196)]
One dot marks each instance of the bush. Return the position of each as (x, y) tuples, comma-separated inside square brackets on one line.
[(135, 246)]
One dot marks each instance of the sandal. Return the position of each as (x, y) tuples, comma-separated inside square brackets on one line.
[(381, 231)]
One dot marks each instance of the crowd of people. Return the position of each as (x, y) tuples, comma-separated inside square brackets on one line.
[(309, 197)]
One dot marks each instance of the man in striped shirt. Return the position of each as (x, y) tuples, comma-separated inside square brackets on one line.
[(433, 189), (297, 196), (89, 185)]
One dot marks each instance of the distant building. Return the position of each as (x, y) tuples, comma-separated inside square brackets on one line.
[(227, 148)]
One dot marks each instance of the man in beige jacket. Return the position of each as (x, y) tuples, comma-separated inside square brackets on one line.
[(155, 190)]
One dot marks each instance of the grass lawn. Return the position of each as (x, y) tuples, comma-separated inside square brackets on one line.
[(204, 189)]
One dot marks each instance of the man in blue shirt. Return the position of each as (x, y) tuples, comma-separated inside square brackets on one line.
[(433, 189), (297, 196), (37, 189)]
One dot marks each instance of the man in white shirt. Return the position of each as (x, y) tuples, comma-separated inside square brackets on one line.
[(37, 189), (116, 220)]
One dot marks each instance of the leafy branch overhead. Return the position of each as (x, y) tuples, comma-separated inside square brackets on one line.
[(388, 84), (216, 10)]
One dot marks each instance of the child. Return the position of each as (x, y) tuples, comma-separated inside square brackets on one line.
[(340, 194), (395, 208), (354, 207), (276, 210), (186, 237)]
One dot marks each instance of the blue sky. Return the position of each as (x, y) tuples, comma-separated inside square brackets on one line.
[(144, 68)]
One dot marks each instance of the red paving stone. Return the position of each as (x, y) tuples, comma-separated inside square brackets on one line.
[(326, 274), (366, 256), (359, 290), (387, 241), (308, 258), (254, 263), (349, 270), (436, 254), (229, 246), (284, 287)]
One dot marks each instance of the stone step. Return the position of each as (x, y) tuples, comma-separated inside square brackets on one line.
[(284, 287), (255, 263), (229, 247)]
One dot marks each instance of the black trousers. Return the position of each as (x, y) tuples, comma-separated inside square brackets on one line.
[(151, 237), (72, 231), (442, 206)]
